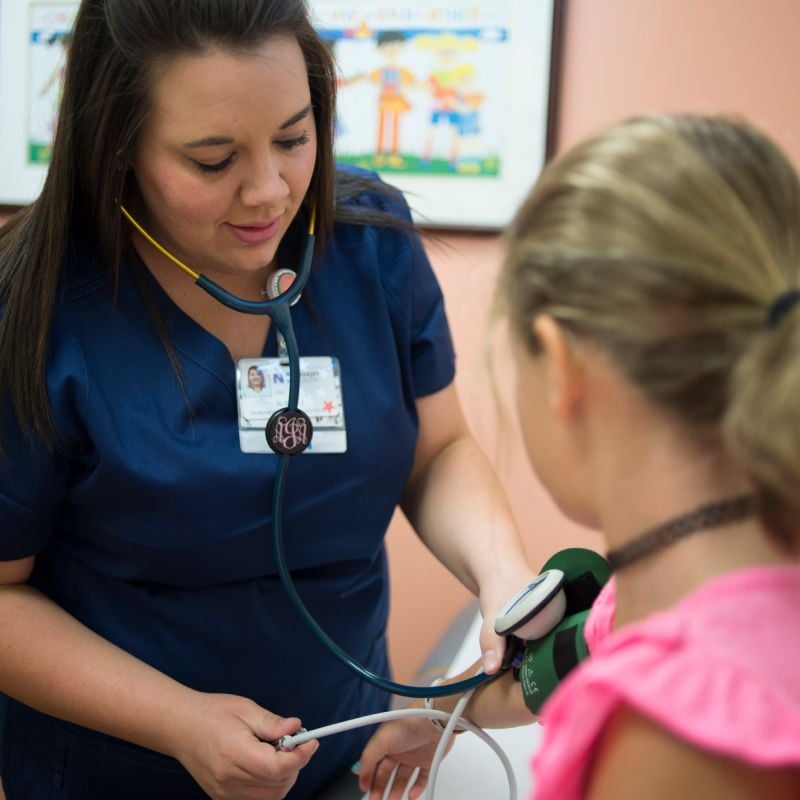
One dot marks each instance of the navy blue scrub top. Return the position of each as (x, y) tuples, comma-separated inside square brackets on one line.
[(152, 528)]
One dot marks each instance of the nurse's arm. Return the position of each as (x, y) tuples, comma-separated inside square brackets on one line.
[(458, 508), (51, 662)]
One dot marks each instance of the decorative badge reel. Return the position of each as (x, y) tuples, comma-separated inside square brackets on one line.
[(289, 432)]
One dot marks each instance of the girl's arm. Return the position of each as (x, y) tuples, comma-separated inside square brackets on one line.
[(497, 704), (407, 744)]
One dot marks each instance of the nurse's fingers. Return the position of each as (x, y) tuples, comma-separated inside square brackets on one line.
[(270, 727), (266, 766), (492, 647)]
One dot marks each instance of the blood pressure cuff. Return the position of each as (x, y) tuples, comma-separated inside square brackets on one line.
[(548, 660)]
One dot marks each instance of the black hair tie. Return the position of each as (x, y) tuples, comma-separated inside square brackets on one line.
[(782, 305)]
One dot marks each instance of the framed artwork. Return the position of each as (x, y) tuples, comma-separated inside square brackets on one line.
[(33, 40), (449, 101), (446, 100)]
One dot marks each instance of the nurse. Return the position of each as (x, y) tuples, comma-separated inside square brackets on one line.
[(148, 647)]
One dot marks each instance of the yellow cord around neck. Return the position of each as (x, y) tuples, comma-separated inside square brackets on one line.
[(162, 250), (188, 270)]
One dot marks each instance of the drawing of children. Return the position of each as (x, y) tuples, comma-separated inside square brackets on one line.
[(392, 80)]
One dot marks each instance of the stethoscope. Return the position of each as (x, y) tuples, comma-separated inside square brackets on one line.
[(278, 309), (533, 610)]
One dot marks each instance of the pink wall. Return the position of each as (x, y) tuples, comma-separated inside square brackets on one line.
[(626, 57), (621, 57)]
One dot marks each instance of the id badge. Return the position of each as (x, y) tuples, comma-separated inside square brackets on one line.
[(263, 388)]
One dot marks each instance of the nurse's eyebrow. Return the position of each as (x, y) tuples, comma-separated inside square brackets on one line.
[(297, 117), (209, 141), (215, 141)]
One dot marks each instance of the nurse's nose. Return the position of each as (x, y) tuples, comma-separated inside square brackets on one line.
[(264, 185)]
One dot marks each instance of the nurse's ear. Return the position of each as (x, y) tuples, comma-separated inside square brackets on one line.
[(564, 367)]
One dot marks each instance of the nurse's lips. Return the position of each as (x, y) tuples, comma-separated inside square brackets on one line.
[(255, 234)]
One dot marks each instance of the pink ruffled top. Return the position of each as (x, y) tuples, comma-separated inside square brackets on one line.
[(720, 670)]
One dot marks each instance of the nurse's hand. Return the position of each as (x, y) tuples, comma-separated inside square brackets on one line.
[(225, 747), (493, 598), (405, 744)]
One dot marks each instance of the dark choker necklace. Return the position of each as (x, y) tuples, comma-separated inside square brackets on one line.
[(712, 515)]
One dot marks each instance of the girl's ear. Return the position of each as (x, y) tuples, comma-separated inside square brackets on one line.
[(564, 369)]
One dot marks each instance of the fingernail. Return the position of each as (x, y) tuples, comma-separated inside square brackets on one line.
[(489, 660), (355, 768)]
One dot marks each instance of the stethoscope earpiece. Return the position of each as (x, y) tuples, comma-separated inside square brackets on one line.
[(279, 283)]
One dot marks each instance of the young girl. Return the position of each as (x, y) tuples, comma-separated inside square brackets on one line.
[(651, 287)]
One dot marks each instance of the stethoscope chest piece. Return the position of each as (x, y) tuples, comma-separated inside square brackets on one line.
[(289, 432)]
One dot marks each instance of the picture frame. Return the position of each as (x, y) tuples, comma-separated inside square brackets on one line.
[(473, 124), (451, 102), (33, 38)]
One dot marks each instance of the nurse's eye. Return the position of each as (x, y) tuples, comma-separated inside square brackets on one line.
[(299, 141), (220, 166)]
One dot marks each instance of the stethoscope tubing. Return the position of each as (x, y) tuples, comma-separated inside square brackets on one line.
[(452, 721), (278, 309), (405, 690)]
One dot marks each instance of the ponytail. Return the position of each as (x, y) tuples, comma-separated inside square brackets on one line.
[(761, 426)]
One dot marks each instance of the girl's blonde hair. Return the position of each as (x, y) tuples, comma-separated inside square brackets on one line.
[(665, 241)]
